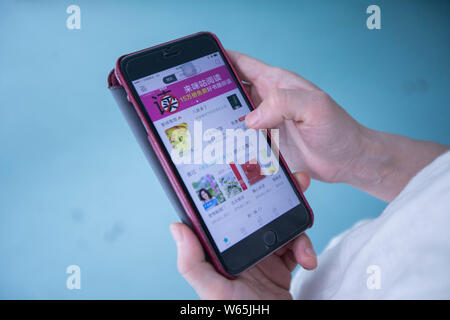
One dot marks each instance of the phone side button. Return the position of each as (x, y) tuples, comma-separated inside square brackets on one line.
[(270, 238)]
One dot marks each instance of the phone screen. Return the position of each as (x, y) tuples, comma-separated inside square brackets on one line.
[(234, 198)]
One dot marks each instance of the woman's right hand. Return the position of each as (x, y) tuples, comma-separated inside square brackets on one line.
[(319, 137)]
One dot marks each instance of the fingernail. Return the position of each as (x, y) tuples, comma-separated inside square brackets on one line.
[(310, 252), (176, 234), (252, 118)]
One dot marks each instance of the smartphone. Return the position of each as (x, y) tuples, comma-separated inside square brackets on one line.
[(241, 210)]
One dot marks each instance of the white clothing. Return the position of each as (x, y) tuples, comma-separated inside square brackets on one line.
[(402, 254)]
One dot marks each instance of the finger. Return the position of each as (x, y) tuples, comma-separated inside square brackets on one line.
[(261, 74), (289, 260), (191, 260), (304, 252), (249, 69), (303, 179), (285, 104)]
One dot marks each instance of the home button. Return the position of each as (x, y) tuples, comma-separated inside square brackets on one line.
[(270, 238)]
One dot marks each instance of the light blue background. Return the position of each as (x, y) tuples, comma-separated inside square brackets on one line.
[(74, 185)]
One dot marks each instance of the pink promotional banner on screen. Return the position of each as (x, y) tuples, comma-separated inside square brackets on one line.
[(187, 93)]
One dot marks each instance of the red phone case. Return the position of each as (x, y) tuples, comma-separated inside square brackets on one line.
[(158, 160)]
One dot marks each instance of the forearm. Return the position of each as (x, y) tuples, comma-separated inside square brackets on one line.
[(387, 162)]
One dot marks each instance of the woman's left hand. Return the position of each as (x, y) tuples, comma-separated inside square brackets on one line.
[(269, 279)]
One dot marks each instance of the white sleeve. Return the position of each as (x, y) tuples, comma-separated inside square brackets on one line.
[(402, 254)]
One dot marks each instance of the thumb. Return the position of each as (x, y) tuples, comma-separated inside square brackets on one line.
[(304, 253), (192, 264), (303, 179), (284, 104)]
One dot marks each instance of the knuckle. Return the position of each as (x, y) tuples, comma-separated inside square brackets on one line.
[(321, 105), (276, 98), (321, 98), (277, 71)]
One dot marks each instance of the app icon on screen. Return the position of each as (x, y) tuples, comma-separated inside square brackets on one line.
[(179, 137), (252, 171), (230, 185), (208, 191), (234, 101)]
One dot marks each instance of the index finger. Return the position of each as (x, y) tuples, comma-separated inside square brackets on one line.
[(248, 68)]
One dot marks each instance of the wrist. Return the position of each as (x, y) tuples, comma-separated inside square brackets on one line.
[(372, 162), (387, 162)]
